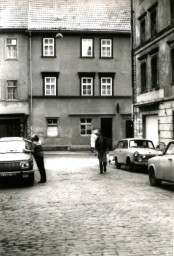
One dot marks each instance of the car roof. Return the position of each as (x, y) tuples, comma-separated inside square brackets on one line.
[(6, 139), (135, 139)]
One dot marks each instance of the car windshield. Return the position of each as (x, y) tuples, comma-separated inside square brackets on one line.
[(170, 150), (12, 146), (141, 144)]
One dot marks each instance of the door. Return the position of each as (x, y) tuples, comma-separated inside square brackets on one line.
[(106, 127), (9, 128), (151, 128), (129, 129)]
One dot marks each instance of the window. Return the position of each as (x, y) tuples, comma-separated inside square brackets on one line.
[(142, 31), (87, 47), (172, 64), (11, 50), (12, 90), (87, 86), (106, 48), (154, 72), (172, 10), (120, 144), (52, 127), (48, 47), (86, 83), (143, 77), (50, 83), (106, 86), (85, 126), (153, 22)]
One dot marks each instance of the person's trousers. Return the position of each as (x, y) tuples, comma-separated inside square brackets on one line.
[(40, 164)]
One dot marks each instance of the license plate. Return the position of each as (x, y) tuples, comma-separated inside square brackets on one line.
[(25, 175), (7, 174)]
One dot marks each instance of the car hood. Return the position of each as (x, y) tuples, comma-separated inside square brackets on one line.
[(147, 151), (14, 157)]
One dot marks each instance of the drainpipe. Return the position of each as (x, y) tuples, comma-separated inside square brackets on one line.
[(132, 59), (31, 91)]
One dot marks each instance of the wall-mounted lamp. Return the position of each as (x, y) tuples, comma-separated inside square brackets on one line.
[(118, 108), (59, 35)]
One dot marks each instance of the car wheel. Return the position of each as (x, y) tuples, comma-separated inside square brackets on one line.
[(30, 180), (117, 165), (130, 165), (152, 178)]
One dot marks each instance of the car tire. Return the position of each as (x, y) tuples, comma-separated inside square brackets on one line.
[(117, 165), (30, 180), (130, 165), (152, 178)]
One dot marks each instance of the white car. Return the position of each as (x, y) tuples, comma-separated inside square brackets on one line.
[(134, 152), (161, 168), (14, 162)]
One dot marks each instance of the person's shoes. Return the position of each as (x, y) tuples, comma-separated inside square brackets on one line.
[(101, 172), (105, 170), (42, 181)]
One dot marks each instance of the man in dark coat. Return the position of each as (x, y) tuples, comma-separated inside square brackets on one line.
[(101, 146), (39, 158)]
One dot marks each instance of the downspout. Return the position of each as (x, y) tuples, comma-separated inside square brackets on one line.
[(132, 61), (31, 92)]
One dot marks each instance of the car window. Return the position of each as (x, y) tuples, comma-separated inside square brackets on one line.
[(125, 145), (120, 144), (141, 144), (170, 150), (12, 146)]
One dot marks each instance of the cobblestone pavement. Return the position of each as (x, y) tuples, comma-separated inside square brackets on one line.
[(81, 212)]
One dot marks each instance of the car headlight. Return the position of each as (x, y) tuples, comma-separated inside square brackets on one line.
[(24, 165), (136, 154), (141, 158)]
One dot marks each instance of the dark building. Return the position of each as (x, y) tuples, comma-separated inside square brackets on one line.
[(153, 55)]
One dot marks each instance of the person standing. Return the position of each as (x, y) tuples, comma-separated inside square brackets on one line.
[(39, 158), (94, 136), (101, 146)]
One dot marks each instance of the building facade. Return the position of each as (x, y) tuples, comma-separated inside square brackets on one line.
[(75, 70), (153, 69)]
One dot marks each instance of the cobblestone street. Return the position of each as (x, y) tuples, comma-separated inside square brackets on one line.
[(81, 212)]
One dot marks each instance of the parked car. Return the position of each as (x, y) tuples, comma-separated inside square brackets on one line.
[(14, 162), (134, 152), (161, 168)]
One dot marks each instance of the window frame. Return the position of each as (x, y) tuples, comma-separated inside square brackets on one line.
[(16, 50), (52, 125), (86, 124), (143, 86), (81, 47), (14, 86), (111, 48), (43, 47), (83, 75), (105, 75), (153, 9), (172, 11), (152, 57), (91, 85), (50, 75), (172, 64)]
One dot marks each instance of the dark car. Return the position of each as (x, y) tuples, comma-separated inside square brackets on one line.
[(14, 162)]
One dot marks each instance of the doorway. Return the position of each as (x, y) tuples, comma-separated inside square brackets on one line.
[(150, 124), (129, 129), (106, 127)]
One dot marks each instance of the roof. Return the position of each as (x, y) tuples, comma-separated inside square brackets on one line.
[(66, 15)]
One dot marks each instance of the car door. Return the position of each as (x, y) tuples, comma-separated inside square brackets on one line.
[(124, 152), (166, 164), (119, 151)]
